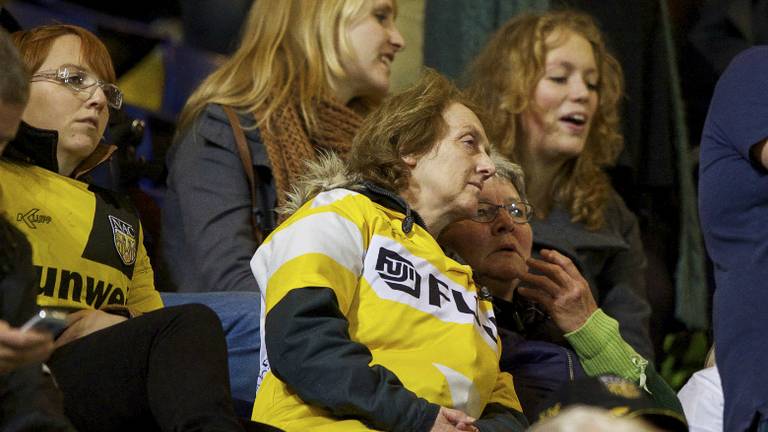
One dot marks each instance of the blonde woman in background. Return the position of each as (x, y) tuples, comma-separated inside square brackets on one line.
[(303, 77), (301, 80)]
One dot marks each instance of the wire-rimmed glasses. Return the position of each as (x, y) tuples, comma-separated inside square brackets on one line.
[(81, 81), (521, 212)]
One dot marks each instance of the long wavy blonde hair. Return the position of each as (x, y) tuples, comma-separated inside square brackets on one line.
[(289, 48), (504, 77)]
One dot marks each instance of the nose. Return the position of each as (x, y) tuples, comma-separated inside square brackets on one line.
[(396, 39), (579, 90), (503, 223), (485, 166), (97, 99)]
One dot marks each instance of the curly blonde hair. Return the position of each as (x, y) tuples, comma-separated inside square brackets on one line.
[(504, 77)]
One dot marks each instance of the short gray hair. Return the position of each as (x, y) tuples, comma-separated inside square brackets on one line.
[(14, 77), (510, 171)]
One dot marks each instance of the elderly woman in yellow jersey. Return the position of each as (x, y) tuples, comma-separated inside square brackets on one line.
[(367, 323)]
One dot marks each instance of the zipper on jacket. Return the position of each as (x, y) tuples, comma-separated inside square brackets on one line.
[(570, 365)]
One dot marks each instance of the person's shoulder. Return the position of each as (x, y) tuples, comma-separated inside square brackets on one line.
[(345, 202), (113, 198), (14, 171), (617, 213), (213, 124), (10, 168)]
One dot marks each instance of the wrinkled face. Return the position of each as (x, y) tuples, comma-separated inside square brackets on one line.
[(453, 173), (10, 116), (497, 250), (557, 123), (375, 40), (79, 117)]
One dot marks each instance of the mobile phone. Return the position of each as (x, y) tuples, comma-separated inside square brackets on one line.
[(48, 320)]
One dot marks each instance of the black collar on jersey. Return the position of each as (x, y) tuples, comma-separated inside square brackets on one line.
[(34, 146), (391, 200), (38, 147)]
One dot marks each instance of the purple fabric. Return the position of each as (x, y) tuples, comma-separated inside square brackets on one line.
[(733, 204)]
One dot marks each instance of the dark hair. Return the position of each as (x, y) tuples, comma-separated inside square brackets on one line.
[(14, 77)]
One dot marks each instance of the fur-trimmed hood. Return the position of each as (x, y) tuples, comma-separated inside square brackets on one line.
[(330, 172), (326, 173)]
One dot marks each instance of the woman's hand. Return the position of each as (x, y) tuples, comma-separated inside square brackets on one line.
[(450, 420), (86, 321), (560, 288), (19, 348)]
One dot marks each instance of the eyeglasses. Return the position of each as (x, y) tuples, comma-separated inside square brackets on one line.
[(80, 81), (521, 212)]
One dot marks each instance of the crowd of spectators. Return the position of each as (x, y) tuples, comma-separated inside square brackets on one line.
[(336, 257)]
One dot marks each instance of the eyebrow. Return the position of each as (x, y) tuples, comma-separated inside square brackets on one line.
[(76, 66), (383, 7), (569, 66), (469, 129)]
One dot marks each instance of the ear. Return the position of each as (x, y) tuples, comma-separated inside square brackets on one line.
[(410, 160)]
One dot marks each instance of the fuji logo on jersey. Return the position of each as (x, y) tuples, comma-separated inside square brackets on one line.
[(398, 272), (425, 287)]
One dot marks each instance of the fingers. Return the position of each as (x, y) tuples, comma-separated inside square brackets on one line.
[(456, 416), (557, 274), (17, 339), (561, 260), (74, 317), (536, 295), (18, 347), (456, 421), (463, 426), (72, 332), (552, 271)]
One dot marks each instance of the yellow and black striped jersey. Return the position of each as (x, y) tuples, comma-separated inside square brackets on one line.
[(411, 316), (87, 243)]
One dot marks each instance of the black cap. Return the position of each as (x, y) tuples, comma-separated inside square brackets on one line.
[(620, 397)]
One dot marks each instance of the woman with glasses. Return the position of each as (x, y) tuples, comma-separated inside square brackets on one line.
[(497, 244), (552, 90), (122, 363)]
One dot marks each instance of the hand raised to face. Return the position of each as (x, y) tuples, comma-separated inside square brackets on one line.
[(560, 289)]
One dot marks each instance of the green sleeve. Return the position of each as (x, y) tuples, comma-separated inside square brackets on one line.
[(601, 350)]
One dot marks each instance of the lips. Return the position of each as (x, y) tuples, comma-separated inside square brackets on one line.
[(575, 121), (478, 185), (507, 248), (90, 121), (387, 58)]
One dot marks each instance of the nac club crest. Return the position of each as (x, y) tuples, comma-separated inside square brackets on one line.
[(124, 237)]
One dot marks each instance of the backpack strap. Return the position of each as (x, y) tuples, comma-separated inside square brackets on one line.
[(253, 178)]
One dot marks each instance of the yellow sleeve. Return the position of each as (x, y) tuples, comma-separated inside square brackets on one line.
[(319, 246), (504, 392), (142, 296)]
